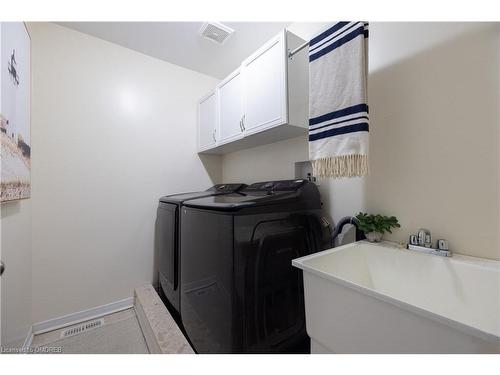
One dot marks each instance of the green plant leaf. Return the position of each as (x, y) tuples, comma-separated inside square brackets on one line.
[(376, 223)]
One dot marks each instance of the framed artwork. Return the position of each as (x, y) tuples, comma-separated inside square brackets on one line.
[(15, 88)]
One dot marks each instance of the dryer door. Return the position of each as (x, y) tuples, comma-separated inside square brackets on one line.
[(272, 290)]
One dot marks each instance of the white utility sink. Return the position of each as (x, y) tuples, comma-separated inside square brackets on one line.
[(379, 298)]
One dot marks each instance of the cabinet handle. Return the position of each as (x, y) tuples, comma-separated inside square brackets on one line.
[(243, 122), (213, 135)]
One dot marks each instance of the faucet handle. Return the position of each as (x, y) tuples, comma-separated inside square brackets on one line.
[(442, 245), (424, 237), (428, 240), (413, 239)]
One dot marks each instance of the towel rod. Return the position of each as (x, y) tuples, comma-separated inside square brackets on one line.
[(299, 48)]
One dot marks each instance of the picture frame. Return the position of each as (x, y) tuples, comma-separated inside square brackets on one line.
[(15, 111)]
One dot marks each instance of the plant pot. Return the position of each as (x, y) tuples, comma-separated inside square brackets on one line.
[(373, 236)]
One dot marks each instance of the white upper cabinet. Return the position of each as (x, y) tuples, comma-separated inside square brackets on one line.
[(264, 101), (207, 122), (230, 108), (264, 79)]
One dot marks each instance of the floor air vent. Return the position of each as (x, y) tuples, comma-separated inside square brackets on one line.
[(84, 327)]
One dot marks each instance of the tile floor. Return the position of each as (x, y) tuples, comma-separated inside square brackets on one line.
[(120, 333)]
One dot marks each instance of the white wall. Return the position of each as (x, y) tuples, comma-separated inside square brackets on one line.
[(434, 100), (498, 108), (269, 162), (112, 131), (434, 139), (16, 281)]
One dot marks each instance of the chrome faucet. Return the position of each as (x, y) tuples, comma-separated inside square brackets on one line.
[(422, 242), (424, 237)]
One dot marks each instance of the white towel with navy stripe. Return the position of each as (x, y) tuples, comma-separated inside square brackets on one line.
[(338, 109)]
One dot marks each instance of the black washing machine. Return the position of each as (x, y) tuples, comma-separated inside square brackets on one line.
[(239, 291), (167, 239)]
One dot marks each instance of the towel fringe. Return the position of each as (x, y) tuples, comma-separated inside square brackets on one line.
[(355, 165)]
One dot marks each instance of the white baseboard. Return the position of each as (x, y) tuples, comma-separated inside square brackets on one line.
[(28, 340), (81, 316)]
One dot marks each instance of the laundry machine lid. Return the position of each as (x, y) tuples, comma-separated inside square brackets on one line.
[(214, 190), (267, 193)]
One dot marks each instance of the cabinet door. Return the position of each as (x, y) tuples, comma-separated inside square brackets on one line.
[(265, 86), (207, 120), (230, 108)]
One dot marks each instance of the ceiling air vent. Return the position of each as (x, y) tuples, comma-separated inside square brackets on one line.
[(216, 32)]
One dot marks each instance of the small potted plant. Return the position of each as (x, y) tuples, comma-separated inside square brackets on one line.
[(374, 226)]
